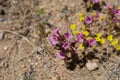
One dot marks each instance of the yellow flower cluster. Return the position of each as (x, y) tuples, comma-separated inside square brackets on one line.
[(81, 46), (81, 17), (99, 38), (114, 42), (73, 29)]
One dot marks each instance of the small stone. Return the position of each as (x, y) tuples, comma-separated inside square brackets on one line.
[(91, 65), (2, 19), (47, 65), (56, 78), (6, 48), (1, 64), (1, 35)]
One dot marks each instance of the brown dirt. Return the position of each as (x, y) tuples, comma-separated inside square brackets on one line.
[(23, 60)]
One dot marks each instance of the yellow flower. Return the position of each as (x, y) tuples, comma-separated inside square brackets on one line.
[(73, 26), (81, 46), (97, 39), (98, 35), (91, 5), (102, 41), (80, 14), (110, 37), (118, 7), (101, 17), (117, 47), (94, 14), (81, 17), (88, 38), (115, 41), (83, 27), (86, 33), (75, 32)]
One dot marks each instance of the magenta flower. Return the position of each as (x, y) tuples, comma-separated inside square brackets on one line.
[(95, 1), (88, 20), (97, 14), (60, 55), (108, 6), (66, 45), (92, 41), (116, 20), (68, 35), (54, 40), (117, 12), (56, 31), (80, 38)]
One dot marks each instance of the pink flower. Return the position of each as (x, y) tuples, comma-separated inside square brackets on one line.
[(95, 1), (92, 41), (56, 31), (108, 6), (66, 45), (116, 19), (60, 55), (80, 38), (97, 14), (68, 35), (88, 20), (117, 12), (54, 40)]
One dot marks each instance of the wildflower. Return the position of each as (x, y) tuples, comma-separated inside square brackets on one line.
[(81, 17), (83, 27), (117, 47), (91, 5), (54, 40), (81, 46), (80, 38), (92, 41), (118, 7), (97, 39), (60, 55), (56, 31), (68, 35), (86, 33), (110, 37), (98, 35), (66, 45), (73, 26), (102, 41), (117, 12), (101, 17), (108, 6), (96, 14), (75, 32), (116, 19), (80, 14), (95, 1), (87, 38), (88, 20), (115, 41)]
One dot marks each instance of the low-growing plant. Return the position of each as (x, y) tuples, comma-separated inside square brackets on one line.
[(96, 33)]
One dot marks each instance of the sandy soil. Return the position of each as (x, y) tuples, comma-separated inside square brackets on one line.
[(24, 54)]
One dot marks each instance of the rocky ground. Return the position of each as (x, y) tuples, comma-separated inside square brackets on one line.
[(26, 54)]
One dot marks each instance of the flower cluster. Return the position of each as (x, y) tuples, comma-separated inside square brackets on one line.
[(62, 41), (83, 36)]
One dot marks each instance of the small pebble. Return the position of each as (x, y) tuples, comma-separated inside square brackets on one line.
[(2, 19), (5, 48), (47, 65), (1, 64)]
